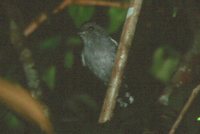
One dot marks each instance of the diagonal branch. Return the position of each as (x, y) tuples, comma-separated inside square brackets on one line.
[(44, 16), (91, 3), (190, 101), (121, 59)]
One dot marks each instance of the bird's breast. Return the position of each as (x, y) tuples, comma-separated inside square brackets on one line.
[(100, 62)]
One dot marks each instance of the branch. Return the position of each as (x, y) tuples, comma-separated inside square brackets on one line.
[(91, 3), (44, 16), (25, 55), (194, 95), (20, 100), (121, 59)]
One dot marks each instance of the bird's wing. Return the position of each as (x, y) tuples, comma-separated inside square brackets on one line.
[(83, 59), (114, 41)]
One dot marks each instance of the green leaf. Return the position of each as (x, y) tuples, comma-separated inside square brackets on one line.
[(49, 77), (13, 121), (163, 66), (116, 18), (50, 43), (198, 119), (175, 10), (81, 14), (157, 60), (167, 69), (69, 59)]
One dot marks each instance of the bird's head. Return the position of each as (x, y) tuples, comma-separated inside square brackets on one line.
[(91, 31)]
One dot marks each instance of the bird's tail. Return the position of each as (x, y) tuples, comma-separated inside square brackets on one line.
[(125, 98)]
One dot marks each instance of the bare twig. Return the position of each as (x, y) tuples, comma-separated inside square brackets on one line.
[(194, 95), (35, 24), (120, 62), (43, 17), (91, 3)]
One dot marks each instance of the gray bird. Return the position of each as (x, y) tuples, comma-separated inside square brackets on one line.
[(99, 54), (99, 50)]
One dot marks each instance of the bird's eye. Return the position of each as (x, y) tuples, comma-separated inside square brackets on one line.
[(90, 28)]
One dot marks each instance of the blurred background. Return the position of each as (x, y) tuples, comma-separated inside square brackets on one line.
[(72, 93)]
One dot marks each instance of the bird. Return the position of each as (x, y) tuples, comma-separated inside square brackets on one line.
[(98, 54)]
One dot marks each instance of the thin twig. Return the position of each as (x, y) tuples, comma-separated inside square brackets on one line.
[(44, 16), (35, 24), (91, 3), (190, 101), (121, 59)]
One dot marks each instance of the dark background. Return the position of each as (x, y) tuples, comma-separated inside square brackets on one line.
[(73, 94)]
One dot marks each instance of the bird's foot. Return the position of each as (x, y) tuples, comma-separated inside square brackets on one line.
[(125, 100)]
